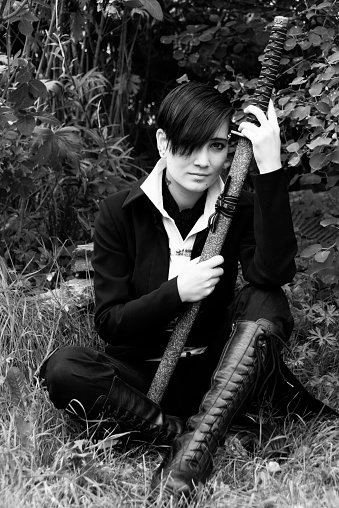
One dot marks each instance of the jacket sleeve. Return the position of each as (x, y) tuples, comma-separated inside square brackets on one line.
[(121, 316), (268, 249)]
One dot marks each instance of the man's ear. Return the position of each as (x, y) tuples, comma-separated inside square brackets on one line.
[(162, 143)]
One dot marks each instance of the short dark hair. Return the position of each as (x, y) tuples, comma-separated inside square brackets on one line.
[(190, 114)]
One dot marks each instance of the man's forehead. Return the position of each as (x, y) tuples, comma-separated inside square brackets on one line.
[(222, 131)]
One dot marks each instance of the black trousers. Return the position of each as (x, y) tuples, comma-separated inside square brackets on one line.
[(85, 374)]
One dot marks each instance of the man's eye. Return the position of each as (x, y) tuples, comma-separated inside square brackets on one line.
[(218, 146)]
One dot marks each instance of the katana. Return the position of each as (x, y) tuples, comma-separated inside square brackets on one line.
[(225, 207)]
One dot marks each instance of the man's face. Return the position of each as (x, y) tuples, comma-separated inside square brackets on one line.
[(197, 172)]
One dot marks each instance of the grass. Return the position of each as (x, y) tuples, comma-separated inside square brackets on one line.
[(45, 462)]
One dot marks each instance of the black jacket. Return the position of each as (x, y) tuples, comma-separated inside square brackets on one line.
[(134, 299)]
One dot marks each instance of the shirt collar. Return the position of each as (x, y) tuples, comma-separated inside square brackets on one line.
[(152, 187)]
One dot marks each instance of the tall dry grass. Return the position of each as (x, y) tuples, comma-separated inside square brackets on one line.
[(47, 462)]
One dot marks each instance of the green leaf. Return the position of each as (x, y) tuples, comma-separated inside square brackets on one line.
[(67, 130), (319, 141), (186, 38), (294, 30), (53, 86), (48, 118), (290, 44), (183, 79), (311, 250), (305, 44), (310, 179), (154, 8), (315, 39), (329, 259), (316, 89), (330, 221), (41, 136), (321, 257), (224, 31), (294, 160), (25, 27), (331, 181), (37, 88), (321, 30), (334, 58), (23, 75), (323, 107), (334, 156), (323, 5), (299, 81), (167, 39), (10, 134), (29, 16), (293, 147), (283, 100), (214, 18), (301, 112), (314, 121), (237, 48), (178, 54), (330, 72), (225, 85), (43, 153), (206, 36), (335, 110), (317, 162), (20, 62), (19, 96), (26, 124)]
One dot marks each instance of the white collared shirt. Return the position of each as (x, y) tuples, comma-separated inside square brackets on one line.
[(180, 249)]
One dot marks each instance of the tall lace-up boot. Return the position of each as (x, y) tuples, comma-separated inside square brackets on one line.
[(125, 409), (248, 359)]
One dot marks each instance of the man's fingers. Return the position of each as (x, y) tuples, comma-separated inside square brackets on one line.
[(257, 112), (261, 115), (271, 113), (195, 261), (247, 131), (214, 261)]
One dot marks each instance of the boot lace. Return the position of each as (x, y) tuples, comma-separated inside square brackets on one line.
[(268, 347)]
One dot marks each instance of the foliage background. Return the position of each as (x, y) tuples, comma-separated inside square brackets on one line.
[(80, 84)]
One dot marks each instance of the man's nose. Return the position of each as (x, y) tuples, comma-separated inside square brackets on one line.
[(201, 157)]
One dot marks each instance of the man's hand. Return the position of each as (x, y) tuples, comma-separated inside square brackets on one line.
[(198, 280), (265, 139)]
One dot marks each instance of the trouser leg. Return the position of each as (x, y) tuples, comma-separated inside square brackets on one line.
[(88, 385), (252, 303), (262, 322)]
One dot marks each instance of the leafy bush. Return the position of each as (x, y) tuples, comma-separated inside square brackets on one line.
[(314, 351), (59, 157)]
